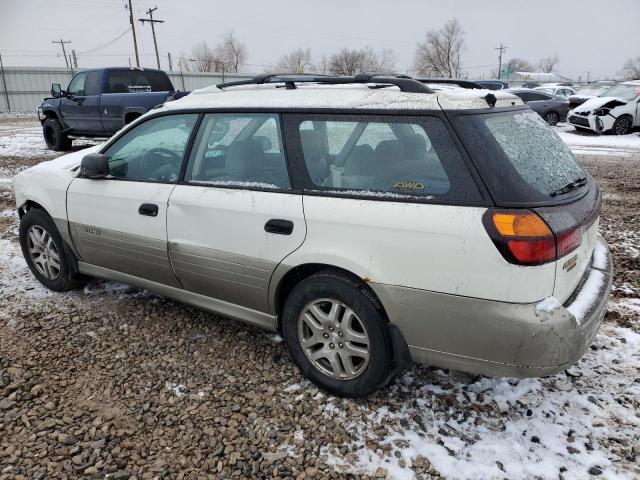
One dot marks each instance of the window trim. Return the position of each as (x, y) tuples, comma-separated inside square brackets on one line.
[(302, 180)]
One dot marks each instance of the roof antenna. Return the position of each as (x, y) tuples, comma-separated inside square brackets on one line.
[(491, 99)]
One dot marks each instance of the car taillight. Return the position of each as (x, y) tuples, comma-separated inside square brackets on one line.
[(523, 238)]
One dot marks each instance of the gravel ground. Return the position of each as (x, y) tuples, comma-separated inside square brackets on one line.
[(115, 382)]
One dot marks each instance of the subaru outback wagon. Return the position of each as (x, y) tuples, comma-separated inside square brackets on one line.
[(369, 220)]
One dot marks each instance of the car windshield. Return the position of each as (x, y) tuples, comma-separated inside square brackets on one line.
[(595, 90), (529, 156), (623, 91)]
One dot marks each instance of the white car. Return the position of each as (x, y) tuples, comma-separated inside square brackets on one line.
[(369, 220), (556, 90), (616, 111)]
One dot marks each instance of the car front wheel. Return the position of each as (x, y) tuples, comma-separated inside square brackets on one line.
[(552, 118), (337, 335), (622, 125), (44, 252)]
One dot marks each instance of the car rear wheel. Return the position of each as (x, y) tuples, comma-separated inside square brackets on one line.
[(337, 335), (54, 137), (552, 118), (44, 252), (622, 125)]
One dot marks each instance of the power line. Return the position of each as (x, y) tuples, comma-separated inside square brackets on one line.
[(153, 30), (106, 44), (64, 52)]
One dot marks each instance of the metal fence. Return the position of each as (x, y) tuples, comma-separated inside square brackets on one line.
[(26, 87)]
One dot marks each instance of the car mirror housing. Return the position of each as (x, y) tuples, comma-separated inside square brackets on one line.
[(56, 90), (95, 166)]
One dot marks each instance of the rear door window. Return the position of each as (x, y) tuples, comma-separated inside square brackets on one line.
[(391, 157)]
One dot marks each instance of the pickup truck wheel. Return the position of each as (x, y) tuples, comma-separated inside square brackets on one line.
[(337, 335), (45, 253), (54, 137)]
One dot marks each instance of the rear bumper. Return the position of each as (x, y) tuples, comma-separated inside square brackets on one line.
[(502, 339)]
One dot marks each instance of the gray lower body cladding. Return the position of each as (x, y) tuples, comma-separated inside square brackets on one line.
[(493, 338)]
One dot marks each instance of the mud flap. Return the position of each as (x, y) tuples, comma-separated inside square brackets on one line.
[(402, 360)]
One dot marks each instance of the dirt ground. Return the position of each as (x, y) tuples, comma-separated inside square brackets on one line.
[(114, 382)]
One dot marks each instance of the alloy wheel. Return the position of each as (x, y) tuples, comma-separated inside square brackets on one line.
[(623, 125), (334, 339), (43, 252)]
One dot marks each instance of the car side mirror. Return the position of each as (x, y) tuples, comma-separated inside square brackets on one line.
[(56, 90), (95, 166)]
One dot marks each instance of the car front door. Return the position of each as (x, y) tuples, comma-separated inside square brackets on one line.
[(234, 218), (80, 109), (119, 223)]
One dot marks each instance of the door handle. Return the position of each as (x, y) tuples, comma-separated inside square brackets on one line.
[(148, 209), (279, 226)]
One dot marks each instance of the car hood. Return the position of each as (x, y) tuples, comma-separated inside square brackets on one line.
[(597, 102), (65, 163)]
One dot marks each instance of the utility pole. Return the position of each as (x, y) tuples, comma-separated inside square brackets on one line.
[(75, 58), (64, 52), (133, 30), (170, 62), (4, 83), (502, 48), (153, 30)]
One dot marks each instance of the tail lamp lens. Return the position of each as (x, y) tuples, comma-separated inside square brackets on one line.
[(522, 237)]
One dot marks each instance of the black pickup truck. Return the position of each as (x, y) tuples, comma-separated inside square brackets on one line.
[(98, 103)]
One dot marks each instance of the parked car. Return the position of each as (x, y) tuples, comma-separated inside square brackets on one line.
[(530, 85), (452, 228), (557, 91), (98, 103), (588, 91), (493, 84), (551, 109), (615, 111)]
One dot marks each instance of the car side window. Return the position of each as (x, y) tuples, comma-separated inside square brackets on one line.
[(537, 97), (76, 87), (239, 150), (153, 150), (385, 158), (91, 83)]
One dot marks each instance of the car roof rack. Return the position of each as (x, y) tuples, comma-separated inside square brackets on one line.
[(451, 81), (403, 82)]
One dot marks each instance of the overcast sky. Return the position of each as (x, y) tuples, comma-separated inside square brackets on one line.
[(588, 35)]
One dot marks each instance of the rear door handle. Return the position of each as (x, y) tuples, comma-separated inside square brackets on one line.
[(148, 209), (279, 226)]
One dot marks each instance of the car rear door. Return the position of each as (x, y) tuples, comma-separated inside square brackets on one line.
[(234, 218), (119, 223)]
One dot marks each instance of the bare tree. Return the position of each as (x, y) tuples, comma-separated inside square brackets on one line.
[(631, 69), (297, 61), (439, 55), (548, 64), (204, 59), (231, 52), (351, 62), (520, 65)]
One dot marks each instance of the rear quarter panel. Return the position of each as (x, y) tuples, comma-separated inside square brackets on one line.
[(432, 247)]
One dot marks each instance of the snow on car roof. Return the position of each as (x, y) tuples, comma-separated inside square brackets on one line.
[(352, 97)]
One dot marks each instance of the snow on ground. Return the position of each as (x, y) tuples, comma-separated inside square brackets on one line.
[(24, 139), (587, 143), (506, 428)]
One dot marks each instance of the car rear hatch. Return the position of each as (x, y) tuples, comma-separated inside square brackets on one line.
[(532, 175)]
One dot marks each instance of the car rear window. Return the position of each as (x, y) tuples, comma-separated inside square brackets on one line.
[(379, 157), (136, 81), (519, 156)]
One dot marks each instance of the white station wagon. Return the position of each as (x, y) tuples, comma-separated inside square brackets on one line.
[(369, 220)]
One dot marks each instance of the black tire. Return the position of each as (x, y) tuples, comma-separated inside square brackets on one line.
[(54, 137), (65, 279), (622, 125), (552, 118), (358, 298)]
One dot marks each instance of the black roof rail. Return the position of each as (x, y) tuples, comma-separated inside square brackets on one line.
[(404, 83), (452, 81)]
